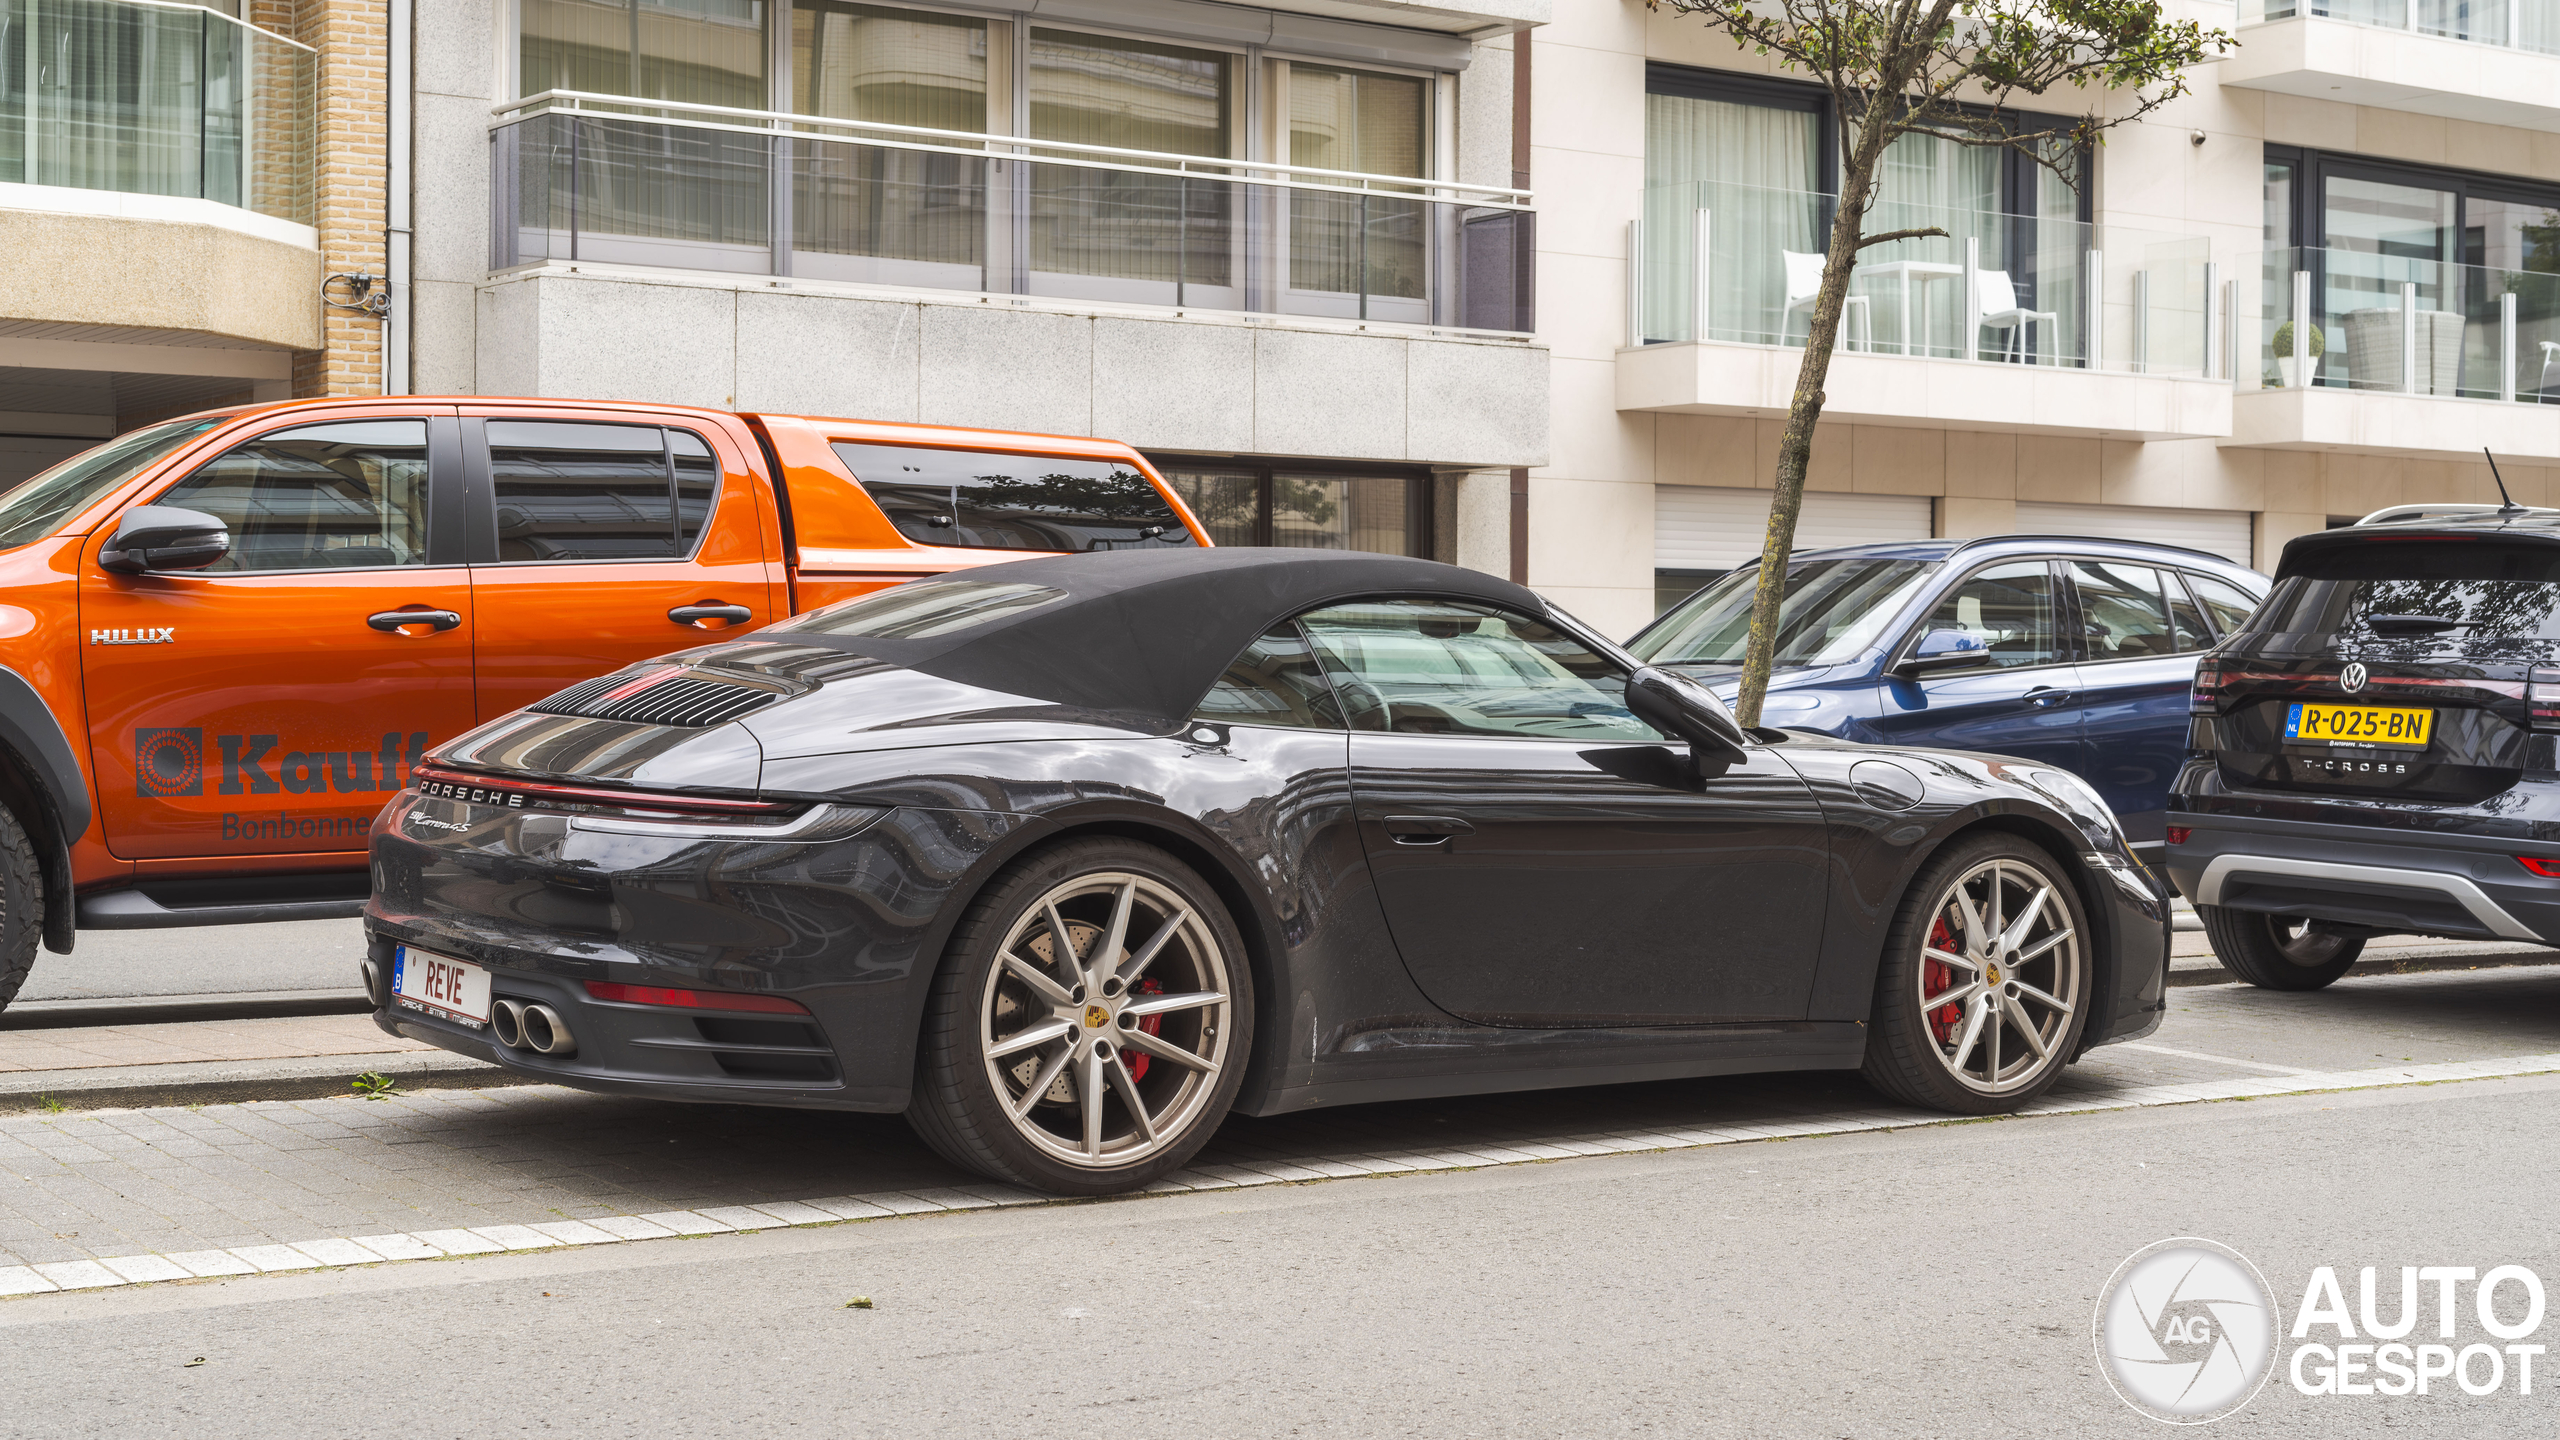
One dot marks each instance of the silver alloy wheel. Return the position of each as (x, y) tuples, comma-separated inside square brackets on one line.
[(2000, 977), (1105, 1021)]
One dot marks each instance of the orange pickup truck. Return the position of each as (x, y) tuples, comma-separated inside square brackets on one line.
[(226, 639)]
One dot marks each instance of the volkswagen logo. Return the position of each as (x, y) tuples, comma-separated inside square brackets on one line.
[(2352, 678), (2186, 1331)]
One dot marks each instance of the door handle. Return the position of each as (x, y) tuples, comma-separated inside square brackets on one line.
[(1426, 829), (395, 622), (712, 610), (2045, 697)]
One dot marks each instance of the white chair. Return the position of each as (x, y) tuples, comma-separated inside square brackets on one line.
[(1804, 283), (1997, 300)]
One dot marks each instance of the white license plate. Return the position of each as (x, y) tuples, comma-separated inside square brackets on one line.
[(440, 985)]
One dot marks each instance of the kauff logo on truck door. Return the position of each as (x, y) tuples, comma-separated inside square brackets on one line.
[(170, 762)]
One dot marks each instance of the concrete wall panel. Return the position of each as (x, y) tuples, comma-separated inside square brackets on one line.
[(1186, 386), (827, 355)]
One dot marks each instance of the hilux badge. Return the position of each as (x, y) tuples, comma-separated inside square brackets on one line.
[(153, 635), (2352, 678)]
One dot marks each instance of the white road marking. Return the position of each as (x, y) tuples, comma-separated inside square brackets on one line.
[(2216, 1059), (99, 1274)]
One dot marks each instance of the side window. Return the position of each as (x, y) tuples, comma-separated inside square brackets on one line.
[(2007, 610), (989, 501), (2123, 610), (1276, 681), (350, 495), (2227, 604), (579, 490), (2186, 619), (1440, 667)]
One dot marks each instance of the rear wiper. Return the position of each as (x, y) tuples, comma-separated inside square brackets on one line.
[(2412, 624)]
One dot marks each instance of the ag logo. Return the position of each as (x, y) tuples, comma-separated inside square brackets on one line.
[(2353, 677), (2186, 1331), (168, 762)]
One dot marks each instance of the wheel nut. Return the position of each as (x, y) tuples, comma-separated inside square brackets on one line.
[(1111, 986)]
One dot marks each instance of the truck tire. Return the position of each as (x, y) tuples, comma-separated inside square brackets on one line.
[(21, 906), (2276, 952)]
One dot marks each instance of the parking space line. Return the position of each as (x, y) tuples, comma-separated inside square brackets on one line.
[(2216, 1059), (19, 1281)]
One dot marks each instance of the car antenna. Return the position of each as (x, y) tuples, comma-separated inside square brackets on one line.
[(2510, 507)]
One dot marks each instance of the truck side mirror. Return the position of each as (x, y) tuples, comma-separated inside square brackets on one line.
[(164, 537), (1941, 648), (1679, 706)]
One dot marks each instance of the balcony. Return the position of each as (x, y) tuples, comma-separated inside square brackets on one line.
[(173, 102), (2423, 358), (2491, 61), (596, 180), (2008, 322)]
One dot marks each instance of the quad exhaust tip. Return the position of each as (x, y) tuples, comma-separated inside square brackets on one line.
[(539, 1028)]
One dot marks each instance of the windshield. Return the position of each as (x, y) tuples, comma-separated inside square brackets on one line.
[(1833, 609), (2480, 595), (32, 510)]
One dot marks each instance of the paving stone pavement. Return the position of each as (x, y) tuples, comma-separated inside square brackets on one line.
[(87, 1047), (184, 1182)]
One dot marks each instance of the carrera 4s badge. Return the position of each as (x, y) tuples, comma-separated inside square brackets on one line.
[(150, 635)]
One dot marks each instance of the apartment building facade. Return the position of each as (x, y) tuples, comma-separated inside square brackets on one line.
[(1506, 282)]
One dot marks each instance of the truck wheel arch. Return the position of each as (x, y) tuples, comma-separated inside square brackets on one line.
[(42, 782)]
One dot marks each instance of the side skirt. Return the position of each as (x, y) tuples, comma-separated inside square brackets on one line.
[(1438, 1062)]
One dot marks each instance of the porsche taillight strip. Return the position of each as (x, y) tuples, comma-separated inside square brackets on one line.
[(523, 794)]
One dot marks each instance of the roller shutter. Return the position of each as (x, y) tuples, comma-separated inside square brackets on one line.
[(1700, 529), (2223, 532)]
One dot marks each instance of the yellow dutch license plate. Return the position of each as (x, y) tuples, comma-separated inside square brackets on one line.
[(2358, 725)]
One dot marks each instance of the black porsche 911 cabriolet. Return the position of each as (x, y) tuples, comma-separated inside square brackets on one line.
[(1069, 858)]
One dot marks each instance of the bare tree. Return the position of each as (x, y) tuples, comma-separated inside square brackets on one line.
[(1953, 68)]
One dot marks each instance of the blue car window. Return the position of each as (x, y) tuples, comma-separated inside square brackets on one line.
[(1438, 667), (2228, 604), (2006, 611), (2123, 609), (2185, 617)]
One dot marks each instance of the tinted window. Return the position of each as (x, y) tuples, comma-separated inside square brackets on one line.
[(1013, 502), (2492, 592), (1276, 681), (2227, 604), (2007, 609), (921, 609), (2186, 618), (344, 496), (1436, 667), (34, 508), (573, 490), (1833, 609), (2124, 610)]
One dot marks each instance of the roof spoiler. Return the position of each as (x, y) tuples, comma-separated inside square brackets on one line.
[(2302, 547)]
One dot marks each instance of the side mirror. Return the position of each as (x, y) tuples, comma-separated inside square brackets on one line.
[(1679, 706), (164, 537), (1941, 648)]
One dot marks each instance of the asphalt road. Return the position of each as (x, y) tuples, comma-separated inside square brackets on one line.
[(214, 960), (1931, 1282)]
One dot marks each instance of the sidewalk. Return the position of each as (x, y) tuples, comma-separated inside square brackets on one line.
[(192, 1062)]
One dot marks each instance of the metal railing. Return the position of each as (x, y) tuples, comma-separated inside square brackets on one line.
[(583, 177), (1740, 264), (147, 98), (2510, 24), (2393, 323)]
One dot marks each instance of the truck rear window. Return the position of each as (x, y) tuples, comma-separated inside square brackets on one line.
[(984, 501), (2488, 589)]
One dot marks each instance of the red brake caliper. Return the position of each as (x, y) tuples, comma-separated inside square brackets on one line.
[(1936, 978), (1152, 1024)]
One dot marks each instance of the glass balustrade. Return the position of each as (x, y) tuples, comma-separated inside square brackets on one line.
[(2397, 323), (155, 99), (1742, 264), (754, 194), (2512, 24)]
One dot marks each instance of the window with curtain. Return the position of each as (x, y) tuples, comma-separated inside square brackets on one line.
[(1754, 169), (1376, 124), (706, 52), (1137, 95), (1245, 503), (899, 67)]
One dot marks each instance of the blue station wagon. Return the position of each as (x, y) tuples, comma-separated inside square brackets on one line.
[(2071, 651)]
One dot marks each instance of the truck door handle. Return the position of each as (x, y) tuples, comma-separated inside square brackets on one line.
[(714, 610), (393, 622), (1426, 829), (2045, 697)]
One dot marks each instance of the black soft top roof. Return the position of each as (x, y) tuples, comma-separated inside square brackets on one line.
[(1143, 634)]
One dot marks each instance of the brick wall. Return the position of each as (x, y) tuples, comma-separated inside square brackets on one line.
[(349, 172)]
